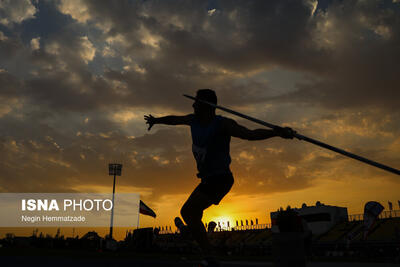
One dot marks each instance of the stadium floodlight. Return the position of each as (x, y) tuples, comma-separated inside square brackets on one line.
[(114, 169)]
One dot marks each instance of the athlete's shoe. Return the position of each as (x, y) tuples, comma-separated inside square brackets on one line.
[(183, 229), (209, 262), (211, 226)]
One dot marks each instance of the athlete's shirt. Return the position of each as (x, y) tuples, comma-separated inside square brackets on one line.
[(210, 147)]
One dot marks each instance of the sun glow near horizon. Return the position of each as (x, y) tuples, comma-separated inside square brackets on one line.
[(222, 220)]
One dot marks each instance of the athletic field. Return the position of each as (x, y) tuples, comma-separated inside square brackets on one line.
[(57, 261)]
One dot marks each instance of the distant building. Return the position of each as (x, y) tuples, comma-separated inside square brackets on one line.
[(319, 218)]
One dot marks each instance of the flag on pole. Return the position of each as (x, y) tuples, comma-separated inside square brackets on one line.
[(144, 209), (372, 209), (390, 205)]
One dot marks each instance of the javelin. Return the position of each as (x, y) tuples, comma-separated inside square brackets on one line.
[(302, 137)]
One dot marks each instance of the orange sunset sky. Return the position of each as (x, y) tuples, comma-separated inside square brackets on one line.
[(77, 77)]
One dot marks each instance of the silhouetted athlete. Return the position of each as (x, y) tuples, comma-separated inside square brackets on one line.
[(211, 136)]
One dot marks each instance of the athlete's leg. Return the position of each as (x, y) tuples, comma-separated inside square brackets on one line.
[(192, 212)]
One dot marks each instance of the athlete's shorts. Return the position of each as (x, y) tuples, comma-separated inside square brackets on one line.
[(216, 187)]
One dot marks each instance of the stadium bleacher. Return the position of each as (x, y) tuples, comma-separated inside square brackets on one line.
[(387, 230)]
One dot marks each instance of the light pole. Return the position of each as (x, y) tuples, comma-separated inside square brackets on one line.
[(113, 169)]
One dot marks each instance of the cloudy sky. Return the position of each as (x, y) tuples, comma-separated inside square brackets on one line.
[(76, 78)]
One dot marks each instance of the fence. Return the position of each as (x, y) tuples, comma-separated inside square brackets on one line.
[(352, 217), (224, 228), (384, 215), (168, 231), (252, 227)]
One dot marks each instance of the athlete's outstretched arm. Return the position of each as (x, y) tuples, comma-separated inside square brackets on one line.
[(237, 130), (169, 120)]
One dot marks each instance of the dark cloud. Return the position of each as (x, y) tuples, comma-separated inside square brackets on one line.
[(11, 85), (9, 46), (48, 160), (364, 58), (196, 50), (181, 47)]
